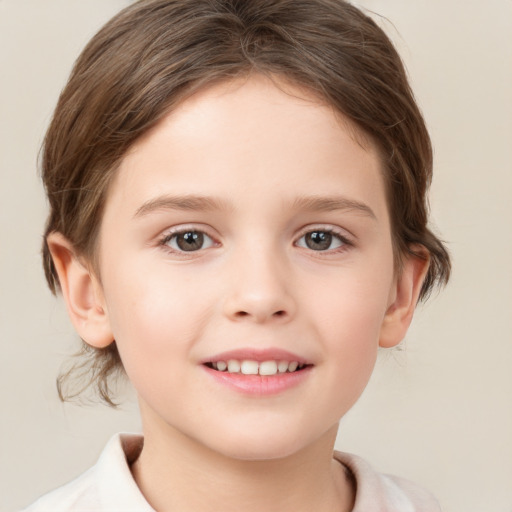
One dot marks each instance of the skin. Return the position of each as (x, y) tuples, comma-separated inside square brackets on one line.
[(257, 148)]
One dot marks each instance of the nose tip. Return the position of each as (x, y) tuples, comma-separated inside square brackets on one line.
[(260, 297)]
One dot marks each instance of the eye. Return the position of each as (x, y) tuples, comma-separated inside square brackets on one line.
[(188, 241), (322, 240)]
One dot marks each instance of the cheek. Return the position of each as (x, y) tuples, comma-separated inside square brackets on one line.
[(352, 352), (156, 316), (352, 333), (142, 295), (349, 319), (351, 306)]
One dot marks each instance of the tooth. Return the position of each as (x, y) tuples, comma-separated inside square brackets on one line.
[(268, 368), (233, 366), (214, 366), (282, 366), (221, 366), (249, 368), (293, 366)]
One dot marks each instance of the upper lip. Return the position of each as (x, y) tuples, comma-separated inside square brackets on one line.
[(255, 354)]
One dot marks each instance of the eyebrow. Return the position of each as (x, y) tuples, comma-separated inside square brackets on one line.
[(188, 203), (332, 203), (209, 204)]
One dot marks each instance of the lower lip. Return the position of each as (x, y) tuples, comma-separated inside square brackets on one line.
[(260, 385)]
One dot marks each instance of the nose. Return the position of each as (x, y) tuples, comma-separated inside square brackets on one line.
[(260, 288)]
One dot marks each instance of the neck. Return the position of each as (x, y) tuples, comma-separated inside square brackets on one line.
[(175, 472)]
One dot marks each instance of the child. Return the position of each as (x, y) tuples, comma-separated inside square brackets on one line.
[(238, 221)]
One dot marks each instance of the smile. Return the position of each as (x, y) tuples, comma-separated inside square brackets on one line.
[(250, 367), (258, 372)]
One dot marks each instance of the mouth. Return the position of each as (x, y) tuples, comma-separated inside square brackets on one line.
[(267, 368), (258, 372)]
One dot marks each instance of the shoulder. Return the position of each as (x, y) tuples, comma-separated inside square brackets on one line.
[(106, 487), (376, 492), (77, 495)]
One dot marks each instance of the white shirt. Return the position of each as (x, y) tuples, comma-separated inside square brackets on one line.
[(109, 486)]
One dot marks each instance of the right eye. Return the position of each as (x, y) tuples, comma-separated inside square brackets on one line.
[(188, 241)]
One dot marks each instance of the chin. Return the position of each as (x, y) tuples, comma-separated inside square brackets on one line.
[(260, 452), (261, 445)]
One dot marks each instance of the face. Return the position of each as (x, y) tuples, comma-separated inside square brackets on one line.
[(250, 230)]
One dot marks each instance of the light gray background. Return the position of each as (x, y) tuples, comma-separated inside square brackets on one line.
[(439, 411)]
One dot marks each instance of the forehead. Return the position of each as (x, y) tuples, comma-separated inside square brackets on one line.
[(250, 133)]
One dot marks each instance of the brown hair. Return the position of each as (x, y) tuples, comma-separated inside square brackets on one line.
[(155, 53)]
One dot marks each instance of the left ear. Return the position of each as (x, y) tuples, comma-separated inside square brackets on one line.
[(403, 298)]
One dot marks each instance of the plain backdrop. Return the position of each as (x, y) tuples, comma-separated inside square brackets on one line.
[(438, 411)]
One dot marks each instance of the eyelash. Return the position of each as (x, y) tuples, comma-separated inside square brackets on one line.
[(168, 237), (345, 242)]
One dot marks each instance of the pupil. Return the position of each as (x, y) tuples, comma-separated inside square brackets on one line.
[(190, 241), (318, 240)]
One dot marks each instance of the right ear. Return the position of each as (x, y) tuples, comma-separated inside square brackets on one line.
[(82, 293)]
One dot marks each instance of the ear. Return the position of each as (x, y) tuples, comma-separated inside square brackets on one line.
[(403, 298), (82, 293)]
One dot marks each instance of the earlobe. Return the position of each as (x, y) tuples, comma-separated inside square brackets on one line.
[(403, 299), (82, 293)]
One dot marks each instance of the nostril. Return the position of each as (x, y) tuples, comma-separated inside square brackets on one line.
[(276, 314)]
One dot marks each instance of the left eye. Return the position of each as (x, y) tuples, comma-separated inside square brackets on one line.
[(321, 240), (188, 241)]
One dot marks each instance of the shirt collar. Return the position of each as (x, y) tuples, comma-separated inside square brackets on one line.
[(117, 489)]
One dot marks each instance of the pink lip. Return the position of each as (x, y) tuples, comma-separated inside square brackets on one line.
[(259, 355), (258, 385)]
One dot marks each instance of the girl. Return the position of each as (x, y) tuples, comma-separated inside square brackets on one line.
[(238, 221)]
